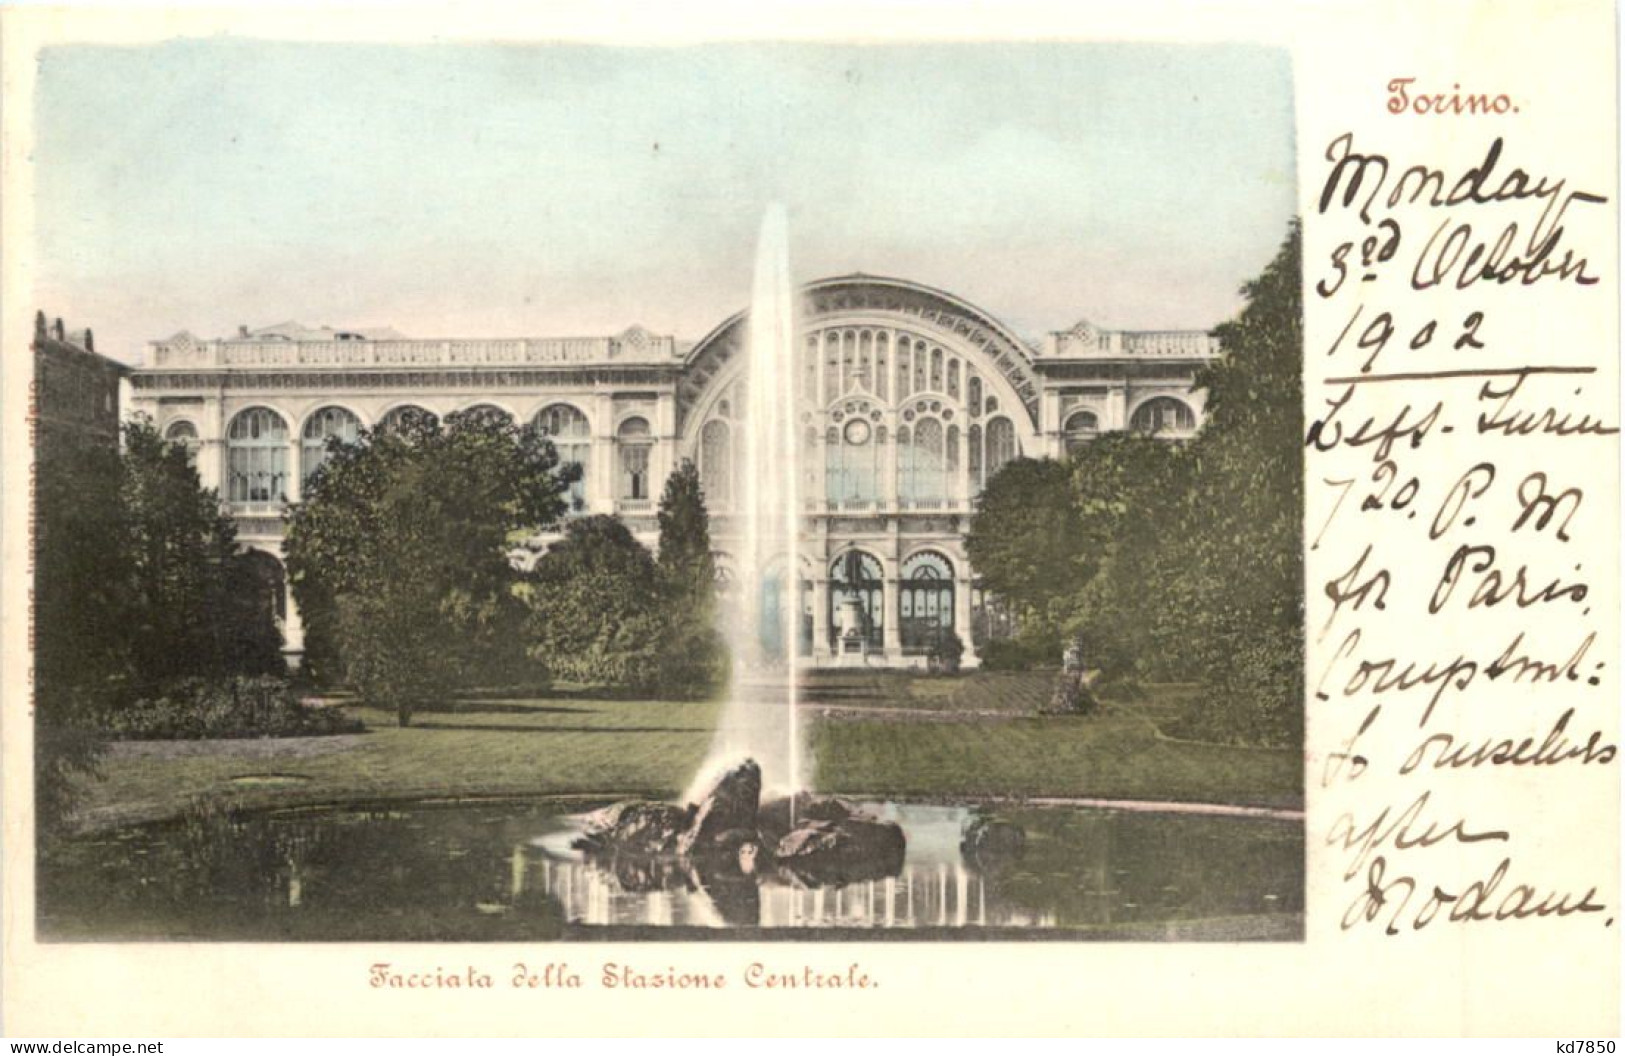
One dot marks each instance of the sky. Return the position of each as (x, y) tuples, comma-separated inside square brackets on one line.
[(557, 190)]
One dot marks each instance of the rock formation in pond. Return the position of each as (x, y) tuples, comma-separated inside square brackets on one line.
[(855, 848), (990, 843), (727, 815), (636, 827), (730, 839)]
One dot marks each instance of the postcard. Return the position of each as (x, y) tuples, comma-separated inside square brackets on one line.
[(812, 519)]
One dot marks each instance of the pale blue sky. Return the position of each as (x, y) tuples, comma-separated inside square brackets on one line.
[(550, 190)]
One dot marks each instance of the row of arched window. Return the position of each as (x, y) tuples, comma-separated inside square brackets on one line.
[(1158, 416), (857, 450), (857, 453), (258, 442), (925, 599)]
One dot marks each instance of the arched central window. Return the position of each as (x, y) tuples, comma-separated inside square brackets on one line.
[(926, 600), (635, 443), (327, 423), (572, 438), (856, 600), (854, 456), (257, 458)]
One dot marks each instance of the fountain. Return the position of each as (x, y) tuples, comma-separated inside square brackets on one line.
[(727, 833), (760, 619)]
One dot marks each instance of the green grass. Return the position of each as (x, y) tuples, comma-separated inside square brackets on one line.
[(1113, 756), (1013, 692), (886, 734), (511, 748)]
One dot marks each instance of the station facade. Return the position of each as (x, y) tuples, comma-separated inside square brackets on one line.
[(914, 399)]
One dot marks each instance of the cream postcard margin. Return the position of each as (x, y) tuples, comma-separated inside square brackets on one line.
[(1431, 85)]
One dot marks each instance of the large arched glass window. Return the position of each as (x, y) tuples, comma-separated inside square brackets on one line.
[(856, 602), (329, 422), (716, 464), (773, 599), (1163, 416), (635, 443), (924, 463), (926, 600), (572, 438), (1081, 427), (1001, 445), (853, 456), (184, 433), (257, 458)]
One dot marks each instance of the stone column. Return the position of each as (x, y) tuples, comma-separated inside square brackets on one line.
[(1116, 407), (211, 465), (211, 448), (664, 458), (602, 479), (891, 633), (894, 478), (296, 468), (961, 493), (820, 642), (293, 630), (962, 589)]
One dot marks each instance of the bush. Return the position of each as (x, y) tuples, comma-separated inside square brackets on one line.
[(1071, 696), (1259, 702), (1028, 652), (946, 652), (193, 708)]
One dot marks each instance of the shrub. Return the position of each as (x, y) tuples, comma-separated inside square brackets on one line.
[(946, 652), (1027, 652), (193, 708)]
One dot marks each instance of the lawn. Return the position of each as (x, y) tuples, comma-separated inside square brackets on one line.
[(877, 734)]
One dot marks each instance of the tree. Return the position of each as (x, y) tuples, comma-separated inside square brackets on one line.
[(398, 556), (1205, 576), (1028, 544), (1130, 492), (139, 581), (693, 656), (195, 605), (1181, 560), (1244, 547), (596, 615), (80, 650)]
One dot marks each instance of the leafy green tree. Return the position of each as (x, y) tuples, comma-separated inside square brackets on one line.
[(139, 581), (1027, 542), (1181, 560), (693, 656), (80, 650), (398, 556), (1205, 581), (194, 604), (1243, 551), (595, 613), (1130, 493)]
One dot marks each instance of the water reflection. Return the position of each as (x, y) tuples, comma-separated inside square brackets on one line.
[(508, 872)]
